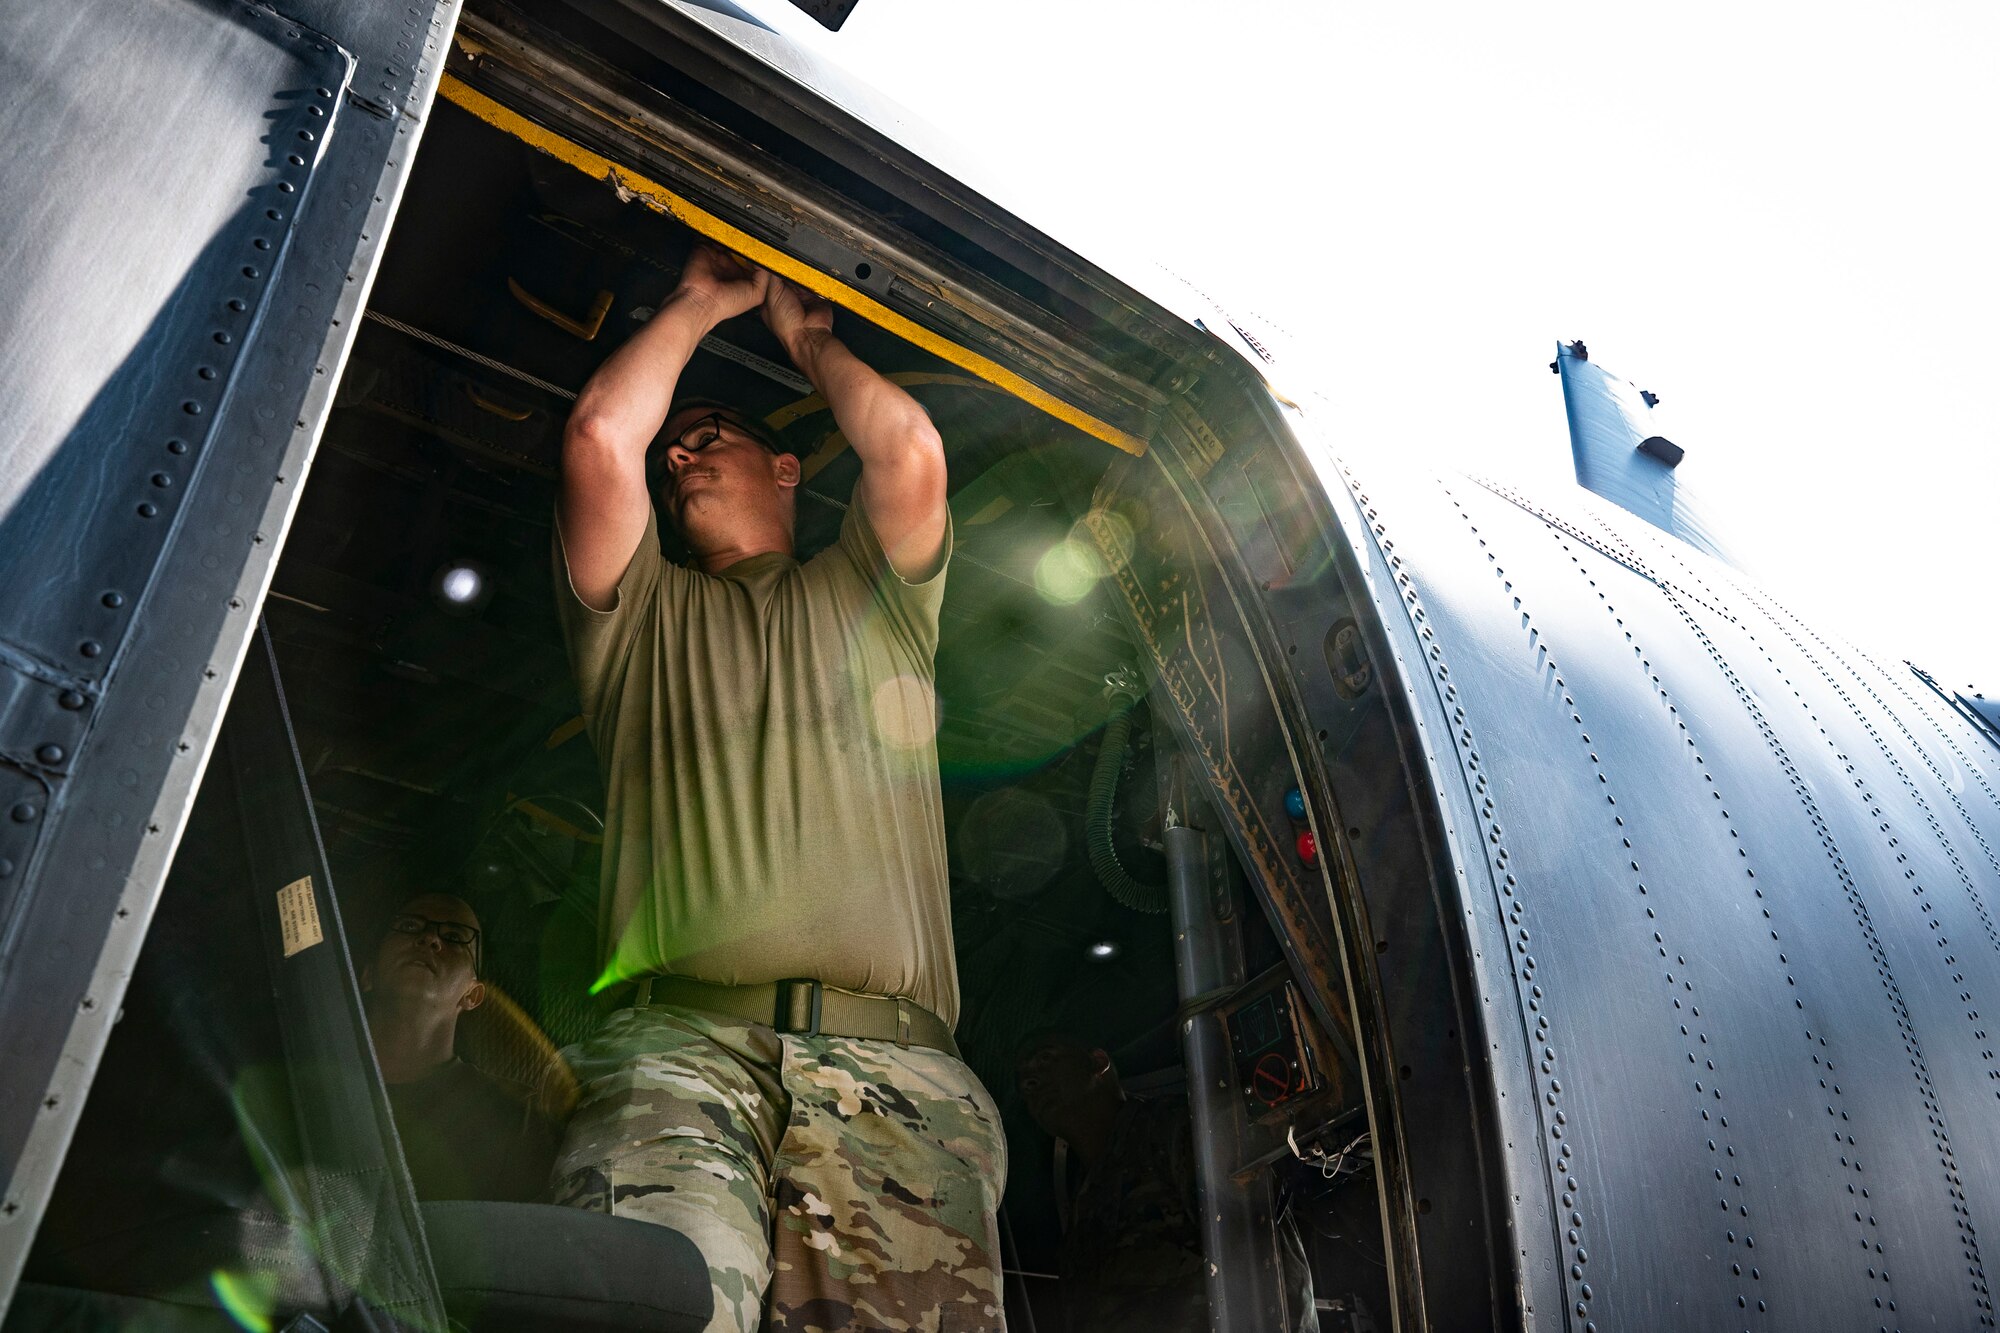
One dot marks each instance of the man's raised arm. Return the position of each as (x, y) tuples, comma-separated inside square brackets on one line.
[(902, 487), (603, 500)]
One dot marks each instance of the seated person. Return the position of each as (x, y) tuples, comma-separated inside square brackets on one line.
[(1129, 1198), (465, 1134)]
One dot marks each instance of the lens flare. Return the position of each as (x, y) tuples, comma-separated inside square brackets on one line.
[(1068, 571), (245, 1297), (906, 712), (1012, 842)]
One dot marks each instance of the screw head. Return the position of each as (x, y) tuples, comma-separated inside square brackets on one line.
[(51, 754), (24, 812), (71, 699)]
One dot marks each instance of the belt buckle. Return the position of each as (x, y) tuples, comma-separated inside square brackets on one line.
[(787, 1006)]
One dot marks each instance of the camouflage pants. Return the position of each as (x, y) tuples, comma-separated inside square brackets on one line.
[(835, 1183)]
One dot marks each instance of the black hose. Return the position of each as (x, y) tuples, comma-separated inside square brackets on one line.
[(1124, 889)]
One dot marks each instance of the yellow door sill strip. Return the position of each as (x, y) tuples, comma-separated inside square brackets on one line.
[(657, 196)]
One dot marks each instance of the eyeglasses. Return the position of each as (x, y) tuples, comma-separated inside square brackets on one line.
[(705, 431), (451, 932), (695, 437)]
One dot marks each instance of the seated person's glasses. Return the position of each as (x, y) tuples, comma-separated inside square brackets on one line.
[(451, 932)]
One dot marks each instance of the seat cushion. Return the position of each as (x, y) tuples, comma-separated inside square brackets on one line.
[(38, 1307), (521, 1266)]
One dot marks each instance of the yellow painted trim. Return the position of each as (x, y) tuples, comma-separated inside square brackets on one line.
[(659, 197), (564, 733), (829, 448), (999, 505), (558, 823)]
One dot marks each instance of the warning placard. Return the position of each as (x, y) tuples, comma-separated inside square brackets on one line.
[(298, 916)]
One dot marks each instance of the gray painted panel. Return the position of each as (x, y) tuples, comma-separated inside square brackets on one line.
[(145, 239), (136, 271), (76, 936)]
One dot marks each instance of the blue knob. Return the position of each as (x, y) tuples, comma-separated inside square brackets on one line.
[(1295, 804)]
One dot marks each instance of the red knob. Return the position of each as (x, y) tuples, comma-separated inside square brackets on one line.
[(1308, 849)]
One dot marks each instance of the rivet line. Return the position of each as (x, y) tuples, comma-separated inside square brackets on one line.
[(1944, 785), (1530, 996), (1826, 1072), (1913, 1048), (1680, 988)]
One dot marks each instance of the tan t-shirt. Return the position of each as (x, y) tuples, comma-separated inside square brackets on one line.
[(768, 741)]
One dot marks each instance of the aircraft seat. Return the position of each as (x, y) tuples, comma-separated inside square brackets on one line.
[(504, 1267), (39, 1305), (161, 1266)]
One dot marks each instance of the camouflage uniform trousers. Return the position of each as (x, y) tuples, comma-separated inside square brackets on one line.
[(831, 1183)]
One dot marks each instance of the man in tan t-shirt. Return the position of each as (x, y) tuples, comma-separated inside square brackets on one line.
[(784, 1089)]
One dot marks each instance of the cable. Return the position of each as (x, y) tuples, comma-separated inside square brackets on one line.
[(567, 395), (714, 346)]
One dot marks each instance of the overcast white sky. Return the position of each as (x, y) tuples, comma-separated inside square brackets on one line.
[(1780, 218)]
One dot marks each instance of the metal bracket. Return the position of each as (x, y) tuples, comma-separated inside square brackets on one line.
[(586, 328), (379, 110), (1124, 682)]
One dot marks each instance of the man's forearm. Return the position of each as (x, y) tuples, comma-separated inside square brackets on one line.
[(880, 420), (602, 501), (902, 486), (626, 402)]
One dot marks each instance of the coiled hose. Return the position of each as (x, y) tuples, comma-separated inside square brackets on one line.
[(1126, 890)]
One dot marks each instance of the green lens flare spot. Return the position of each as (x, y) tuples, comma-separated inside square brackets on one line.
[(1068, 571), (246, 1298)]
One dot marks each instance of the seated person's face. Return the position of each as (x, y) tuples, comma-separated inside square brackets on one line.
[(426, 957)]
